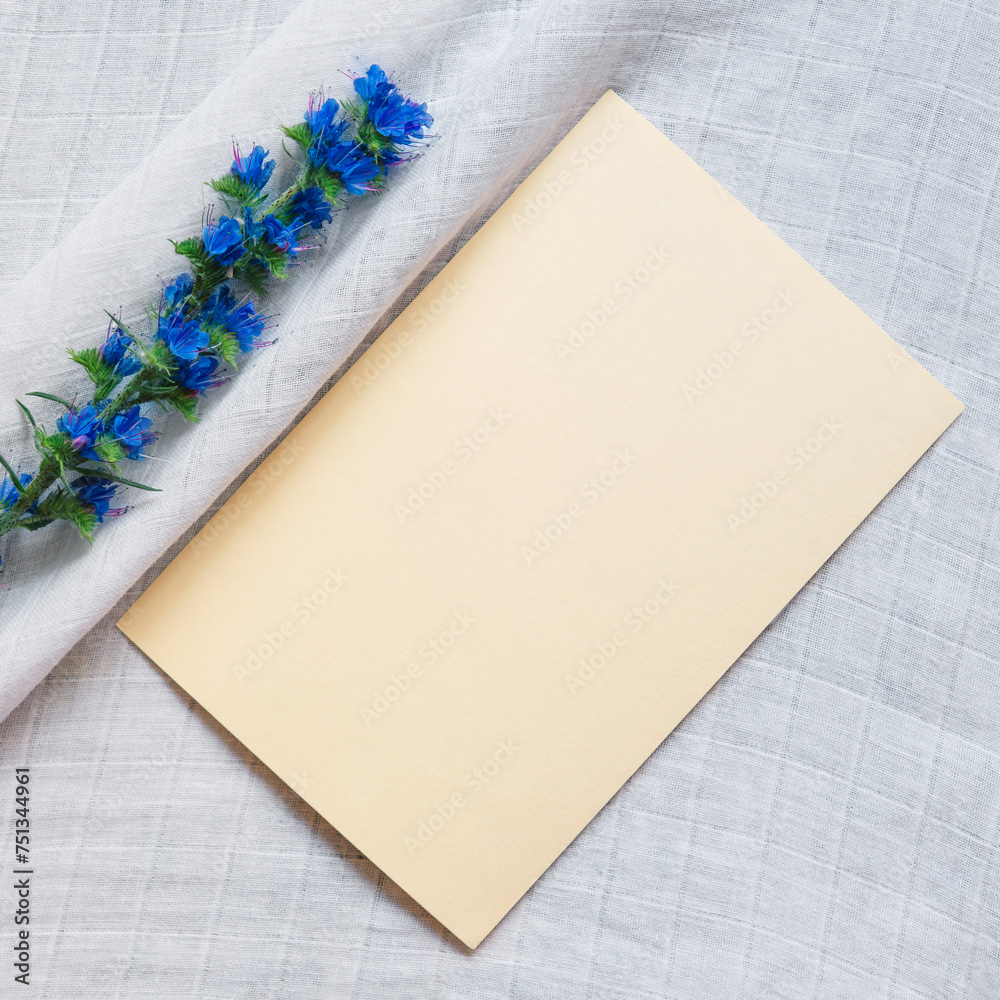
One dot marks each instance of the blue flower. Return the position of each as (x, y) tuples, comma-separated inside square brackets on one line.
[(251, 229), (132, 430), (224, 240), (282, 236), (254, 169), (322, 118), (352, 164), (364, 86), (397, 117), (247, 324), (310, 207), (218, 307), (393, 115), (244, 322), (98, 493), (83, 427), (198, 375), (177, 291), (114, 352), (9, 493), (184, 337)]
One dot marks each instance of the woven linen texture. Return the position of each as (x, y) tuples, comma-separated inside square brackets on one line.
[(825, 823)]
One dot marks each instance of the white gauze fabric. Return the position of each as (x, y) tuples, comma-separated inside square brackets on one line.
[(825, 824)]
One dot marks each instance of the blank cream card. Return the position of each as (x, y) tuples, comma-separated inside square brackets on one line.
[(517, 542)]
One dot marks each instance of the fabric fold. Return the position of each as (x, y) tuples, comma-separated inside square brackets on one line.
[(54, 588)]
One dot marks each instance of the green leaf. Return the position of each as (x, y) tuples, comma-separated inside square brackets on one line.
[(299, 133), (64, 505), (88, 358), (57, 453), (98, 371), (272, 257), (114, 477), (103, 389), (208, 272), (101, 473), (234, 189), (13, 475), (253, 272), (27, 413), (110, 450), (331, 186), (34, 522), (207, 277), (355, 109), (186, 404), (193, 248), (160, 357), (224, 343), (54, 399), (58, 447)]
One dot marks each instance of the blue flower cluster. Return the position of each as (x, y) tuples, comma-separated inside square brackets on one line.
[(201, 324), (358, 163), (321, 117), (115, 352), (326, 129), (349, 161), (346, 159), (394, 116), (97, 493), (188, 335), (255, 170), (224, 240), (311, 207), (271, 231), (86, 431), (183, 336)]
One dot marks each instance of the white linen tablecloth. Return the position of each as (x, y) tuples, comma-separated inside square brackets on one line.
[(826, 823)]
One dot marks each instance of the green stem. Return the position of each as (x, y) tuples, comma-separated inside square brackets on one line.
[(286, 196), (32, 492), (124, 398)]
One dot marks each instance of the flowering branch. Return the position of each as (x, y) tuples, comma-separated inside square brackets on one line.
[(200, 327)]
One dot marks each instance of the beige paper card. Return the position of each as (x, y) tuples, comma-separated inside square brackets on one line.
[(507, 553)]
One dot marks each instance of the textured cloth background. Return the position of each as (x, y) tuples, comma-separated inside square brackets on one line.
[(826, 823)]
